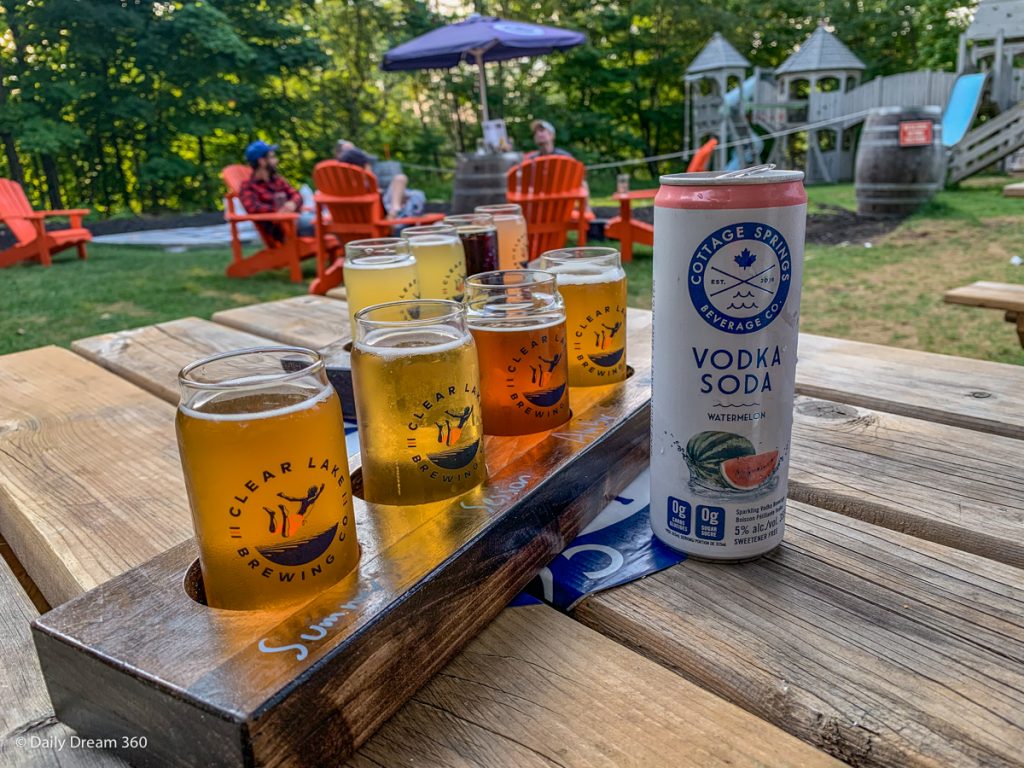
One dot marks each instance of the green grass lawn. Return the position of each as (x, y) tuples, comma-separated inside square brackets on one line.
[(123, 287), (890, 293)]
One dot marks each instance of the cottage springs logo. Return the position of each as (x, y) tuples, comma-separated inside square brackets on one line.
[(739, 277)]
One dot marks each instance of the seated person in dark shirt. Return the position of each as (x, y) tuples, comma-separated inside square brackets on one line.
[(399, 201), (267, 192), (544, 138)]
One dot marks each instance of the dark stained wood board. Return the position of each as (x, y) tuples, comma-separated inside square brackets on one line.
[(957, 487), (430, 578), (973, 394), (151, 356), (879, 648), (538, 689)]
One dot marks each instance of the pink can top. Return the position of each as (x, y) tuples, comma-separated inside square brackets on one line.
[(716, 190)]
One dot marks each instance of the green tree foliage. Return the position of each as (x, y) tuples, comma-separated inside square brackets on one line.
[(135, 105)]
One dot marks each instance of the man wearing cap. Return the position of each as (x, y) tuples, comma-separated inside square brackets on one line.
[(267, 192), (544, 138)]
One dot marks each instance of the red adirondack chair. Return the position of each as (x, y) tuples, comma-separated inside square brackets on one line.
[(27, 226), (354, 211), (288, 252), (549, 189)]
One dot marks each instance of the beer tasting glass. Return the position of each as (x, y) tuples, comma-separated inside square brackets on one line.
[(479, 240), (440, 260), (417, 389), (379, 270), (266, 468), (513, 247), (518, 321), (593, 286)]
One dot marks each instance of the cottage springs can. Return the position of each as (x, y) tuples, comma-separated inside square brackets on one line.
[(728, 263)]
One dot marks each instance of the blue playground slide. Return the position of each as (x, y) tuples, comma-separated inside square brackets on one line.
[(962, 107), (751, 154)]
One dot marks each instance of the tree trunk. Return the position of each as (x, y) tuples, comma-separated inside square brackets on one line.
[(52, 181)]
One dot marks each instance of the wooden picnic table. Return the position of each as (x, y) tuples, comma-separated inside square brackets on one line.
[(887, 630)]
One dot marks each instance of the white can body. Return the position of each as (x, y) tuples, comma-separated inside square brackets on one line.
[(726, 318)]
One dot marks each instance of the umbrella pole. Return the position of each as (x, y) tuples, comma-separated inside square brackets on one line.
[(479, 55)]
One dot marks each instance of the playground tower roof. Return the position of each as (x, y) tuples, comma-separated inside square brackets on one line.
[(991, 16), (820, 52), (717, 54)]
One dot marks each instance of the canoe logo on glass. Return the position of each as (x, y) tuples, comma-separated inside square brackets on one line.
[(443, 434), (537, 375), (599, 342), (739, 277), (285, 518)]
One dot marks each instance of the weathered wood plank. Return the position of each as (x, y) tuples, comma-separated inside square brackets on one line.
[(974, 394), (29, 733), (538, 689), (306, 321), (89, 472), (957, 487), (151, 356), (1007, 296), (879, 648), (341, 293)]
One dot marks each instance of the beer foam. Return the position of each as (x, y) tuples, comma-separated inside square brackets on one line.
[(581, 274), (272, 388), (380, 262), (416, 240), (407, 342)]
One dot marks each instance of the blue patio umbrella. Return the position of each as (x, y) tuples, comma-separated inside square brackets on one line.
[(480, 39)]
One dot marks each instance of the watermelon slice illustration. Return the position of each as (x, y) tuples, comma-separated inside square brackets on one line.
[(744, 473)]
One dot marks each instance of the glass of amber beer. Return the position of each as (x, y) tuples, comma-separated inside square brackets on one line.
[(518, 322), (417, 389), (378, 270), (593, 286), (263, 452), (440, 260)]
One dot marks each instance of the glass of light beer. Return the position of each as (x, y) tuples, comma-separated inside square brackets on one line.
[(417, 390), (479, 240), (518, 321), (440, 260), (593, 286), (378, 270), (513, 246), (266, 468)]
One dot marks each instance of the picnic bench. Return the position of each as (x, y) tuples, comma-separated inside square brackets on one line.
[(888, 629), (1008, 297)]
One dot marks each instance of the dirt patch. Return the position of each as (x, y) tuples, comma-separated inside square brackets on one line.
[(832, 227), (126, 308)]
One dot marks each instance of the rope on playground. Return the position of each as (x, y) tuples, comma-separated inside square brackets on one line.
[(854, 116)]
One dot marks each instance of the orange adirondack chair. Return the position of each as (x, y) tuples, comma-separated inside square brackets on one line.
[(34, 242), (354, 211), (289, 252), (549, 189)]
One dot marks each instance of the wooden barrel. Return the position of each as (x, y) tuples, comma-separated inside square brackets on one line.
[(480, 179), (900, 160)]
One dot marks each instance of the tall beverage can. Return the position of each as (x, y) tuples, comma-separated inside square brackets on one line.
[(728, 263)]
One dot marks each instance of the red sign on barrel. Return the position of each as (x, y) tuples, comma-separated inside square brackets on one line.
[(915, 133)]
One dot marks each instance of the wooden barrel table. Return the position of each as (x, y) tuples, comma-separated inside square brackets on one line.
[(901, 162), (480, 179)]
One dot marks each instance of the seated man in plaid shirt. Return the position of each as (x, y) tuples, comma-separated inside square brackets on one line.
[(268, 192)]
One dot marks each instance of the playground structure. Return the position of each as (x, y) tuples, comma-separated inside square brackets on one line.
[(812, 106)]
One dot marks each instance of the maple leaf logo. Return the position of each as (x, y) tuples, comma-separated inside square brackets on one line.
[(745, 258)]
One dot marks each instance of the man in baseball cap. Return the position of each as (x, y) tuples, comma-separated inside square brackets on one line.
[(544, 138), (266, 191)]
